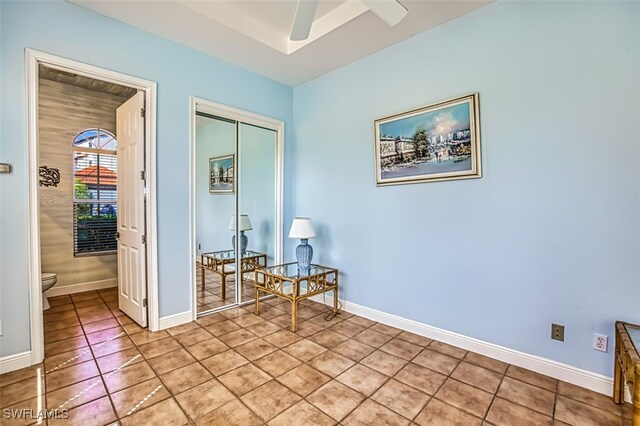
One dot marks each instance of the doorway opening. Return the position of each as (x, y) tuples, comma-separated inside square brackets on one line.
[(79, 208), (92, 192)]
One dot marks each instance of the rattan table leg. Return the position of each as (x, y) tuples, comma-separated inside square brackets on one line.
[(635, 398), (294, 314), (257, 301)]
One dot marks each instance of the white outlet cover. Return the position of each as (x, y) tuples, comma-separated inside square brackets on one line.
[(600, 342)]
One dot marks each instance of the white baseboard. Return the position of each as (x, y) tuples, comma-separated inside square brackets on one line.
[(15, 362), (79, 288), (577, 376), (176, 319)]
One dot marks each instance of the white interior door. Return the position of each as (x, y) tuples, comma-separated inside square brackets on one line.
[(132, 282)]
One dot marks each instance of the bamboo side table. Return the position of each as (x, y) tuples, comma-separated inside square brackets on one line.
[(285, 281), (627, 366), (223, 263)]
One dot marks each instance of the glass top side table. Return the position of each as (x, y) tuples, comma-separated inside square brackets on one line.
[(627, 366), (291, 271), (285, 281), (222, 261)]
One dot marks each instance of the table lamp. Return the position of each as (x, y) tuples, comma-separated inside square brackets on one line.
[(302, 228), (245, 225)]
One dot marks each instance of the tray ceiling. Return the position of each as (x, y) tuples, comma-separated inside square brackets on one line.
[(254, 34)]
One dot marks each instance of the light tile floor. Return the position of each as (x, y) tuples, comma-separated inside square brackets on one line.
[(234, 368)]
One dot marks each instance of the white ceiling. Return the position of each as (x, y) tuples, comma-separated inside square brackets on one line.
[(254, 34)]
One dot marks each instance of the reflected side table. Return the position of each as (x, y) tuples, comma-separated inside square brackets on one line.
[(287, 282), (223, 262), (627, 366)]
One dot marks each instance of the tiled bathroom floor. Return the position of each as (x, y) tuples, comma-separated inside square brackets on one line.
[(234, 368)]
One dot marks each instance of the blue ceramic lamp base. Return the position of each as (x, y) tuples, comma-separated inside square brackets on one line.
[(304, 254), (244, 242)]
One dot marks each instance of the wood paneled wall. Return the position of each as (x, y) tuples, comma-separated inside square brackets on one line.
[(63, 112)]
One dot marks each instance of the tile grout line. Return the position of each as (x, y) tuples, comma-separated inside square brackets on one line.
[(104, 383), (334, 378), (495, 395), (91, 349), (442, 384), (379, 387), (366, 397), (537, 387), (137, 347), (232, 348), (555, 399), (198, 361), (250, 362)]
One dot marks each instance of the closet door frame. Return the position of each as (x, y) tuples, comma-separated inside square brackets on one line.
[(197, 104)]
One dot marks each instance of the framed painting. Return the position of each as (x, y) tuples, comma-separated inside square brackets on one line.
[(221, 175), (434, 143)]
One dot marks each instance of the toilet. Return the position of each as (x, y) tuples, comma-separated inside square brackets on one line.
[(48, 281)]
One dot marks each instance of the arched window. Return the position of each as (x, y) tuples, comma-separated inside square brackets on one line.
[(95, 207)]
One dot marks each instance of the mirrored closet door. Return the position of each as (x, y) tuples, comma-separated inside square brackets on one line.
[(257, 200), (237, 203)]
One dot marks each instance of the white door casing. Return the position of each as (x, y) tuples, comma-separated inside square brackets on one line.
[(34, 59), (132, 282)]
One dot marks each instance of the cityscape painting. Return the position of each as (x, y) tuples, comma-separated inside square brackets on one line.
[(221, 171), (434, 143)]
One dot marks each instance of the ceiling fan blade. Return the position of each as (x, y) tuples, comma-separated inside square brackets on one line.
[(303, 20), (390, 11)]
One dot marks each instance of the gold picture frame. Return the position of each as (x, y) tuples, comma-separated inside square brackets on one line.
[(434, 143)]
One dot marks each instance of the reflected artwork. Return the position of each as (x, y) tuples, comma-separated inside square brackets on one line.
[(221, 175)]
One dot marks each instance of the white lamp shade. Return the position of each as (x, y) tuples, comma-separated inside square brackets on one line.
[(302, 228), (245, 223)]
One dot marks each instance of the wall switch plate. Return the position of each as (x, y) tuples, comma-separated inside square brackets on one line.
[(600, 342), (557, 332), (5, 168), (0, 327)]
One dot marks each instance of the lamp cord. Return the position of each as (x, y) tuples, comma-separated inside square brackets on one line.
[(331, 314)]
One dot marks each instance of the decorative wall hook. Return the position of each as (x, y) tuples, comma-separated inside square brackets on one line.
[(50, 176)]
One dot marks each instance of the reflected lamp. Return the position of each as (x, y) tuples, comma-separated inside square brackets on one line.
[(245, 225)]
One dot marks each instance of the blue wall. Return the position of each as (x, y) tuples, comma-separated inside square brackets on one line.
[(67, 30), (550, 233)]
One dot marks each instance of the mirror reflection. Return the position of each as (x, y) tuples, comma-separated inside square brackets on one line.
[(235, 171), (214, 207), (257, 198)]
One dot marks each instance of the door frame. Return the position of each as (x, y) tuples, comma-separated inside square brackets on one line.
[(241, 116), (33, 59)]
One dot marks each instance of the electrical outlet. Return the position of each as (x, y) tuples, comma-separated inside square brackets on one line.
[(557, 332), (199, 246), (600, 342)]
